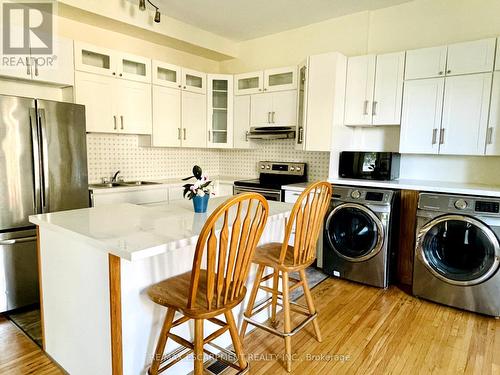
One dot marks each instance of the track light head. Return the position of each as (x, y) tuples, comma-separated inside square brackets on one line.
[(157, 16), (142, 5)]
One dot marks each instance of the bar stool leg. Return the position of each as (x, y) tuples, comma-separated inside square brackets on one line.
[(251, 301), (162, 341), (310, 304), (238, 348), (287, 323), (198, 347), (274, 322)]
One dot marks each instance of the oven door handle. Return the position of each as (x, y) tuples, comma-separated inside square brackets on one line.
[(273, 193)]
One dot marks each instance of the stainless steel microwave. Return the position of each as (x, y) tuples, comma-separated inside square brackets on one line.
[(369, 165)]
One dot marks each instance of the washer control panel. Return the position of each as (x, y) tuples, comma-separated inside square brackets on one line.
[(448, 203), (362, 195)]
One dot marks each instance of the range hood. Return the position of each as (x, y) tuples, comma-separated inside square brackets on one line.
[(271, 132)]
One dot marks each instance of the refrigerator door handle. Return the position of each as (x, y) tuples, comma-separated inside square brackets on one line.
[(36, 160), (17, 240), (44, 161)]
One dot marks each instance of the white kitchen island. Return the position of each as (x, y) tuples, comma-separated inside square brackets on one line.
[(95, 267)]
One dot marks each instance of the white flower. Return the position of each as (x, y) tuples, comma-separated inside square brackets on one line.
[(201, 193), (197, 184)]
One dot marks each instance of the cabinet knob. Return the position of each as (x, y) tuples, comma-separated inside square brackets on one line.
[(114, 73), (179, 86), (260, 89), (265, 89), (448, 71), (441, 73), (121, 74), (184, 87)]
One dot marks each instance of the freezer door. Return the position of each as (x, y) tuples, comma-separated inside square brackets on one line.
[(63, 157), (18, 166), (18, 270)]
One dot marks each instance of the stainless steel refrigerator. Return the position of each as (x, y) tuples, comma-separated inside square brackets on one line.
[(43, 168)]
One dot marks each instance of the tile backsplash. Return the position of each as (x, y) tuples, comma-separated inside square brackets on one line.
[(108, 153)]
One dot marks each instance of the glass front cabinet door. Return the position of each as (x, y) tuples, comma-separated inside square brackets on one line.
[(134, 68), (249, 83), (93, 59), (280, 79), (220, 111), (167, 75), (194, 81)]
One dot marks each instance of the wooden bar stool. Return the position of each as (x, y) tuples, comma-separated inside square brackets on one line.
[(306, 219), (206, 293)]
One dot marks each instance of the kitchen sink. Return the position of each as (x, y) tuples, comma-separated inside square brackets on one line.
[(121, 184), (135, 183)]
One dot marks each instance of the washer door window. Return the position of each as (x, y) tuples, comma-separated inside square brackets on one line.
[(354, 232), (459, 249)]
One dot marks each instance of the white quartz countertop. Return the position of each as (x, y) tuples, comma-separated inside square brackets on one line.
[(420, 185), (133, 232)]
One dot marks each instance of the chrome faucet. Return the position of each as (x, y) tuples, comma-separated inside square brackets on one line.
[(115, 176)]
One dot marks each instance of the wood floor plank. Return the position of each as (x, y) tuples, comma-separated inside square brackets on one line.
[(377, 331)]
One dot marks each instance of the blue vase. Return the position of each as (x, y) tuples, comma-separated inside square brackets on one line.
[(200, 204)]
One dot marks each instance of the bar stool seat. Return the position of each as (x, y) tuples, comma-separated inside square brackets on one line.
[(269, 255), (174, 292)]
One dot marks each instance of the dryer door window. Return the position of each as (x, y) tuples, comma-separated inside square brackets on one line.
[(460, 250), (354, 232)]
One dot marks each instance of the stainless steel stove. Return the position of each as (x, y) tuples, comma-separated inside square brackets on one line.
[(272, 176)]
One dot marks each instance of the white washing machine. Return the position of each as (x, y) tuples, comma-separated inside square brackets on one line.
[(358, 232), (457, 252)]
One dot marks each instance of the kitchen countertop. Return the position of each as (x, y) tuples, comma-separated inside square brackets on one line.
[(133, 232), (160, 184), (420, 185)]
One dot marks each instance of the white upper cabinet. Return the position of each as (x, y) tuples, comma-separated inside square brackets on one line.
[(249, 83), (134, 68), (465, 114), (359, 90), (388, 94), (194, 81), (96, 93), (421, 118), (497, 59), (277, 79), (426, 62), (166, 117), (321, 90), (471, 57), (374, 89), (241, 122), (167, 75), (133, 107), (93, 59), (274, 109), (280, 79), (194, 119), (220, 110), (492, 136)]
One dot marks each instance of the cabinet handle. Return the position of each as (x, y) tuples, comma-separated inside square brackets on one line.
[(179, 134), (28, 66), (36, 67), (268, 117), (434, 136), (209, 136), (441, 137), (374, 108), (184, 130), (246, 136), (121, 122), (114, 122), (365, 108), (489, 136), (300, 140), (272, 116)]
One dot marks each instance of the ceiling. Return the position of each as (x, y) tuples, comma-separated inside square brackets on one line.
[(241, 20)]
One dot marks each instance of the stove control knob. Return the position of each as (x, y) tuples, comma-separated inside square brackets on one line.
[(355, 194), (268, 167), (297, 169), (262, 167), (292, 168), (461, 204)]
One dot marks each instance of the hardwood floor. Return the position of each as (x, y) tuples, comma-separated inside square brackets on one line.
[(365, 330), (21, 356)]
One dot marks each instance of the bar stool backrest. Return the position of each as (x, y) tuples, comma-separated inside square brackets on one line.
[(306, 219), (229, 250)]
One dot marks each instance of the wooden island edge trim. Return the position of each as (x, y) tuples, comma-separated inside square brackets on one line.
[(115, 309)]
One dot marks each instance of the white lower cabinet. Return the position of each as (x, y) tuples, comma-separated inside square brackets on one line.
[(139, 196), (421, 117), (465, 114), (492, 137)]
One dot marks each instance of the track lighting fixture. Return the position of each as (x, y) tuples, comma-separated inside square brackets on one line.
[(142, 6)]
